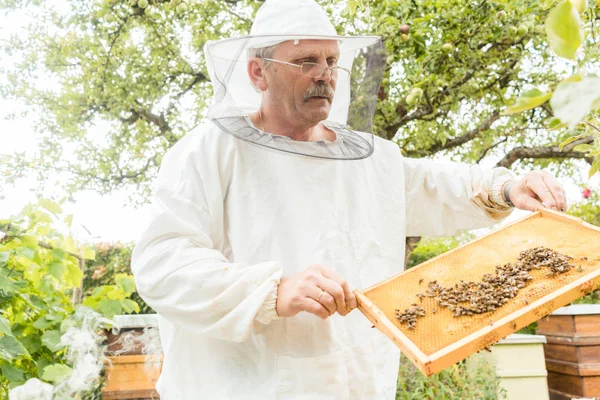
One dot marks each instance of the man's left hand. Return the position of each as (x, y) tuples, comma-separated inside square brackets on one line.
[(538, 189)]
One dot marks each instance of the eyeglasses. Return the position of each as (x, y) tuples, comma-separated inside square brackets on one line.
[(313, 70)]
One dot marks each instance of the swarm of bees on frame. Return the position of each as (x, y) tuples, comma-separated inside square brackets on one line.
[(493, 290)]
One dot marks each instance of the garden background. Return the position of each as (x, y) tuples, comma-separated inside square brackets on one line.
[(93, 93)]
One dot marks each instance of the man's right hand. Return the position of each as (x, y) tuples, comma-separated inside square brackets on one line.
[(316, 290)]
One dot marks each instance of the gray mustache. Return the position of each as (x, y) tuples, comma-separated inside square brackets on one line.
[(323, 90)]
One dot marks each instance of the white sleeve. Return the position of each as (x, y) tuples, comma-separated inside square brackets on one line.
[(444, 198), (181, 275)]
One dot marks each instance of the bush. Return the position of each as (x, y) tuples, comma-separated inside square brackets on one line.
[(589, 211), (40, 271), (474, 378), (433, 247), (112, 260)]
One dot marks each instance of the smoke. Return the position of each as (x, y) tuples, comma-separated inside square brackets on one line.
[(33, 389), (148, 343), (86, 356), (85, 353)]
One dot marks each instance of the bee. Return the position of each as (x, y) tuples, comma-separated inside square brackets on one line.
[(513, 325), (420, 281)]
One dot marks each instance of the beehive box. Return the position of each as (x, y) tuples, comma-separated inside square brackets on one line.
[(440, 340)]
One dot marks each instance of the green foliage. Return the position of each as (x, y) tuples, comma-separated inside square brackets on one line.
[(34, 294), (564, 30), (589, 211), (56, 373), (112, 262), (528, 100), (433, 247), (472, 379), (130, 79), (576, 99), (111, 300), (39, 271)]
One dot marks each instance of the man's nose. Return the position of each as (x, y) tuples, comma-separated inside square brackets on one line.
[(326, 75)]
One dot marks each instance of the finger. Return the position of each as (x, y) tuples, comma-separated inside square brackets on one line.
[(323, 297), (348, 294), (528, 203), (314, 307), (336, 291), (539, 188), (556, 191)]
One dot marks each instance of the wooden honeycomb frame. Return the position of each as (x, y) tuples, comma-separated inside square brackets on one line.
[(441, 340)]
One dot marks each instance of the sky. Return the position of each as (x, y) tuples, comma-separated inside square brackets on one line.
[(96, 218), (106, 218)]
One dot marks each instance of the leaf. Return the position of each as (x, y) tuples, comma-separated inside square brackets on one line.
[(74, 274), (69, 245), (26, 252), (67, 324), (583, 147), (29, 240), (69, 220), (569, 140), (56, 373), (109, 308), (51, 339), (595, 166), (564, 30), (130, 306), (13, 374), (89, 254), (56, 269), (51, 206), (527, 101), (11, 348), (125, 282), (116, 294), (59, 253), (42, 323), (102, 291), (7, 285), (573, 98), (4, 256), (36, 302), (555, 124), (5, 326), (32, 343)]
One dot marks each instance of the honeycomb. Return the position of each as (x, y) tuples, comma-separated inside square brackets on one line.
[(435, 332)]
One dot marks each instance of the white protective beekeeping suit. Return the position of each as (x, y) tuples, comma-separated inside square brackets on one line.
[(236, 208)]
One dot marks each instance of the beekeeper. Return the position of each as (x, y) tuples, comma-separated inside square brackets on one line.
[(269, 214)]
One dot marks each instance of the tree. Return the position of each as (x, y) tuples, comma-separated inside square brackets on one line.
[(129, 80)]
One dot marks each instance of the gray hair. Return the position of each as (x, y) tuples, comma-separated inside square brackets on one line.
[(263, 52)]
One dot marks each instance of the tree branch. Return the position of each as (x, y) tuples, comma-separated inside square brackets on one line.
[(484, 153), (459, 140), (522, 152)]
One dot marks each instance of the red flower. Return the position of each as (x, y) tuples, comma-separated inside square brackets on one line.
[(99, 272), (586, 193)]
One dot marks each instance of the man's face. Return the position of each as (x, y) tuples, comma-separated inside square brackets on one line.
[(298, 97)]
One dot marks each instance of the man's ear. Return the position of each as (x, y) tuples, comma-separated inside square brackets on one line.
[(256, 71)]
